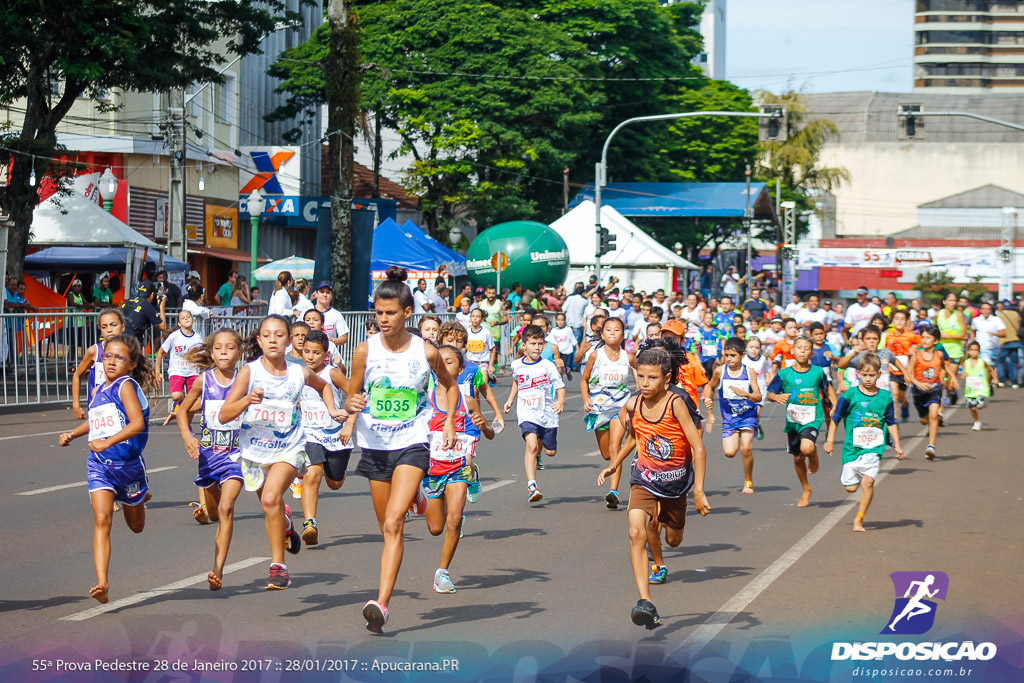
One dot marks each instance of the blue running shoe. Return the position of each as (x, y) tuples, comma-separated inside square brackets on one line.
[(659, 574)]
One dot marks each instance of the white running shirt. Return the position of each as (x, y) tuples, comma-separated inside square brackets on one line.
[(537, 384), (397, 413), (175, 347)]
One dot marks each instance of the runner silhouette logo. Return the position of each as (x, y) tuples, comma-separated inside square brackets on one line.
[(916, 593)]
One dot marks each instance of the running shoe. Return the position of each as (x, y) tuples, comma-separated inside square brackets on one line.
[(279, 579), (953, 398), (976, 427), (1015, 386), (462, 527), (421, 501), (645, 614), (535, 493), (376, 616), (296, 488), (310, 532), (408, 515), (492, 380), (612, 499), (293, 542), (659, 574), (443, 582), (929, 453), (942, 420), (540, 462), (760, 433), (568, 374), (905, 412)]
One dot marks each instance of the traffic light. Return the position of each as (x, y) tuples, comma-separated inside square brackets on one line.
[(606, 241), (772, 128), (913, 126)]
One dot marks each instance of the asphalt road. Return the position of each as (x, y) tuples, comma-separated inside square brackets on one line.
[(544, 590)]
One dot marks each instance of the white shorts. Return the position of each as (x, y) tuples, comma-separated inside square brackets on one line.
[(254, 474), (864, 466)]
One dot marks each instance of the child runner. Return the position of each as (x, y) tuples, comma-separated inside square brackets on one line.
[(271, 440), (181, 373), (453, 478), (118, 429), (738, 400), (428, 326), (927, 373), (604, 387), (111, 324), (586, 347), (564, 339), (670, 460), (759, 364), (328, 444), (539, 394), (471, 380), (550, 351), (782, 352), (900, 339), (868, 412), (707, 342), (393, 424), (314, 318), (300, 331), (802, 388), (220, 476), (770, 335), (979, 377), (479, 343), (462, 316)]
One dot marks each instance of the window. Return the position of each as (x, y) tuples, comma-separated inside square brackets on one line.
[(226, 101)]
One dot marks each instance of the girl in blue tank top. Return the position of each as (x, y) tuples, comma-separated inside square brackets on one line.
[(111, 324), (118, 429), (220, 476)]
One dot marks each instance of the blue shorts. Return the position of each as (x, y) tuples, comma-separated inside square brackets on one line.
[(127, 479), (737, 423), (548, 435), (215, 469)]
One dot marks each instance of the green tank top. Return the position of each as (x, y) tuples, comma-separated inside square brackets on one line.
[(77, 321), (865, 423), (950, 324), (804, 408), (975, 379)]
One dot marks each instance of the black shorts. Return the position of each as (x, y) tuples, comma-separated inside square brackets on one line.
[(899, 380), (335, 462), (548, 435), (380, 465), (794, 438), (923, 399)]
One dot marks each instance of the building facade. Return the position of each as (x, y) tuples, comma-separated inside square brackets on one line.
[(712, 29)]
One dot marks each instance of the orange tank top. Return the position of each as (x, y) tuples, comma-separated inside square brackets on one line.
[(663, 453), (927, 371), (900, 345)]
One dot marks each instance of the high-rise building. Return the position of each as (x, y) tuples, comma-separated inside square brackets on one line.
[(968, 46), (712, 28)]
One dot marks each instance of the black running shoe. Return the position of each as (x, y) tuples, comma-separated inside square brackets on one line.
[(645, 614), (942, 420), (612, 499), (953, 398), (293, 542)]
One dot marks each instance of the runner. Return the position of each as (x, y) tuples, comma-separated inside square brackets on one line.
[(955, 332), (453, 477), (180, 372), (111, 324), (471, 380), (738, 399), (708, 339), (782, 352), (479, 343), (979, 378), (539, 395), (604, 388), (118, 429), (759, 364), (428, 326), (900, 339), (220, 477), (565, 341), (927, 373), (271, 439), (802, 388), (328, 444), (670, 460), (392, 428), (868, 412)]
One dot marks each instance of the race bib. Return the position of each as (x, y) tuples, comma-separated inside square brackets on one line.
[(276, 415), (104, 421), (314, 414), (393, 405), (464, 446), (974, 383), (612, 377), (178, 366), (800, 414), (531, 399), (211, 415), (728, 386), (883, 381), (708, 350), (903, 360), (790, 362), (867, 437), (475, 346)]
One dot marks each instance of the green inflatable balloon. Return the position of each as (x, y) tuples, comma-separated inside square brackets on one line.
[(537, 255)]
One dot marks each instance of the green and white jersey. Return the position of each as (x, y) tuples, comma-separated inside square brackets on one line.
[(976, 378), (806, 390), (867, 417)]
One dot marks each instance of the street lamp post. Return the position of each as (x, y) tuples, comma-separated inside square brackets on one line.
[(108, 189), (601, 168), (255, 205)]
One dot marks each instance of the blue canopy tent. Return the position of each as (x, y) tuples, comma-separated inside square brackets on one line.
[(92, 259), (411, 248), (683, 200)]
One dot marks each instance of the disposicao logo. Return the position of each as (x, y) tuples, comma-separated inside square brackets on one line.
[(914, 613)]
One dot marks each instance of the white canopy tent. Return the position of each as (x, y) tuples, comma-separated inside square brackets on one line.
[(638, 259), (75, 221)]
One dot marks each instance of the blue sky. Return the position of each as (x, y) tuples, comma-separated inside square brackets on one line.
[(820, 45)]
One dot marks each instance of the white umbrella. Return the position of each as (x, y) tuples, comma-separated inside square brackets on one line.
[(298, 267)]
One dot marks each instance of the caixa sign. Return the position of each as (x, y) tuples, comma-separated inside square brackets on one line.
[(299, 211), (276, 206)]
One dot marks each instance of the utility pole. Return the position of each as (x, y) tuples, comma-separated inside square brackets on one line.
[(747, 215), (565, 191), (177, 242), (788, 252), (1006, 254)]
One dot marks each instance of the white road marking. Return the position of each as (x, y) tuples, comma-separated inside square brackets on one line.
[(707, 632), (48, 489), (496, 485), (157, 592), (591, 454), (29, 436)]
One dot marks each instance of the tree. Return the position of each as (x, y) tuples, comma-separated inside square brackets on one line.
[(935, 285), (57, 52)]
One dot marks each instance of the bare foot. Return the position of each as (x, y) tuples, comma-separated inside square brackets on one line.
[(812, 463), (215, 582), (805, 499), (148, 497), (116, 508), (200, 514), (748, 488), (99, 591), (858, 525)]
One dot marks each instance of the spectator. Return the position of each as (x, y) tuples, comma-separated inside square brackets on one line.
[(241, 295), (255, 300), (171, 290), (302, 304), (102, 296), (14, 302), (574, 307), (335, 326), (515, 296), (420, 298), (223, 295), (443, 278), (1009, 346), (859, 314), (200, 314), (731, 282), (74, 328), (467, 291), (706, 274), (756, 306), (141, 314), (439, 299), (280, 301)]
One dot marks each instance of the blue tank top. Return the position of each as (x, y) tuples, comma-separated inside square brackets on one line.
[(707, 344), (216, 438), (107, 417), (465, 379), (97, 375), (731, 405)]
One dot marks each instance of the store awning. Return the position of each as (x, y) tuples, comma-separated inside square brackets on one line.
[(226, 253)]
